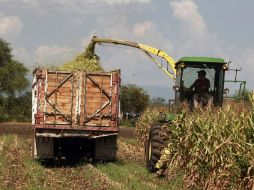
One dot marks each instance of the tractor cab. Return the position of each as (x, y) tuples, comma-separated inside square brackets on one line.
[(187, 69)]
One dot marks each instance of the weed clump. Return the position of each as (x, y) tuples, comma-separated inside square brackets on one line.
[(144, 122)]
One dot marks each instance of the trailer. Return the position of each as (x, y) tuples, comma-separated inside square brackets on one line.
[(75, 114)]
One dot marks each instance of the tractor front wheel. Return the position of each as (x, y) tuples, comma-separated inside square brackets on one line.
[(153, 148)]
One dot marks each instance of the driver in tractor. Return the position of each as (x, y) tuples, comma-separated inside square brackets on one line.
[(201, 97)]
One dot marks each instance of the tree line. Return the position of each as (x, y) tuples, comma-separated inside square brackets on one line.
[(15, 93), (135, 99)]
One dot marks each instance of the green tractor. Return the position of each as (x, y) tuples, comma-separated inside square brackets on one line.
[(187, 71)]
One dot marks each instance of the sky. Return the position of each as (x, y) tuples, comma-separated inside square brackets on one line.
[(52, 32)]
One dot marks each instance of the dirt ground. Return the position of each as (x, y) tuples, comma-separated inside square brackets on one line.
[(20, 129), (127, 172), (25, 130)]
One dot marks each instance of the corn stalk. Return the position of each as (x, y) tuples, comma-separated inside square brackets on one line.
[(213, 148)]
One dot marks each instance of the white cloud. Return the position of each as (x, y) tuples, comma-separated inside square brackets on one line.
[(52, 54), (76, 6), (112, 2), (45, 50), (187, 12), (146, 32), (30, 2), (21, 3), (73, 5), (20, 53), (135, 65), (89, 2), (245, 61), (197, 39), (10, 26), (140, 29)]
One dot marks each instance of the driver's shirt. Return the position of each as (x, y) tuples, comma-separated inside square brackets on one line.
[(202, 85)]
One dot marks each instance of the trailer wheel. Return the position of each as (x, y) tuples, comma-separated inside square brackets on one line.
[(153, 147)]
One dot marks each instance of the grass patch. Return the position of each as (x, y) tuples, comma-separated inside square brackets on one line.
[(19, 171), (135, 176), (128, 141), (128, 123), (35, 174), (3, 162)]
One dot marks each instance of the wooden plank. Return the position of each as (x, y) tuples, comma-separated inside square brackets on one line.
[(95, 97), (92, 85), (51, 85), (98, 123), (63, 106), (93, 101), (66, 96), (95, 91), (104, 112), (98, 77), (96, 83), (62, 88), (95, 105)]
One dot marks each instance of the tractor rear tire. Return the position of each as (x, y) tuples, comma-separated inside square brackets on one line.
[(153, 148)]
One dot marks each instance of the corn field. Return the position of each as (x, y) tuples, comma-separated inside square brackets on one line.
[(144, 122), (212, 149)]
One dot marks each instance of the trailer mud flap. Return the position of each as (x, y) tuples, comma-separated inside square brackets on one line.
[(43, 148), (105, 148)]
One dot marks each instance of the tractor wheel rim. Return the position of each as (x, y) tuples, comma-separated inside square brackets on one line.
[(150, 151)]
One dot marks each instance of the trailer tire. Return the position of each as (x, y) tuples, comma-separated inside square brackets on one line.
[(153, 147)]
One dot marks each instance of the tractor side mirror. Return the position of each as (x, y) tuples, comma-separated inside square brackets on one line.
[(226, 91)]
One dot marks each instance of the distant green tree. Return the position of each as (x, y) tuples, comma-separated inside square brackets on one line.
[(158, 101), (13, 82), (13, 78), (133, 99), (24, 105), (5, 53)]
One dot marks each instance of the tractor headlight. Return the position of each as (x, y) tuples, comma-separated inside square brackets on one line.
[(225, 67), (176, 88), (182, 65)]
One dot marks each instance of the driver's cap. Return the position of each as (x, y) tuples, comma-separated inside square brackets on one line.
[(202, 72)]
